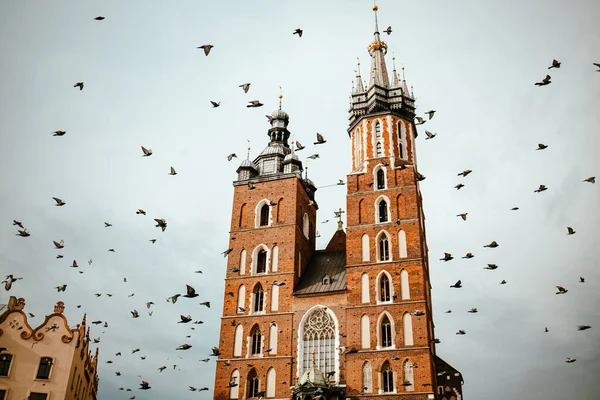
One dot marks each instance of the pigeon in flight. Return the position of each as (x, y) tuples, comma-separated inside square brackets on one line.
[(184, 346), (465, 172), (215, 104), (145, 385), (581, 279), (190, 292), (492, 245), (542, 146), (461, 332), (472, 310), (79, 85), (245, 87), (251, 186), (430, 113), (430, 135), (74, 264), (135, 314), (9, 281), (59, 245), (205, 303), (561, 290), (460, 185), (540, 189), (320, 139), (226, 252), (185, 319), (491, 267), (420, 120), (99, 18), (591, 179), (469, 255), (161, 222), (18, 223), (107, 224), (173, 172), (503, 282), (514, 209), (59, 202), (61, 288), (463, 216), (457, 285), (23, 232), (555, 64), (597, 65), (59, 133), (313, 156), (544, 82), (388, 30), (447, 257), (231, 156), (583, 327), (570, 231), (298, 32), (570, 360), (147, 152), (255, 103), (206, 48)]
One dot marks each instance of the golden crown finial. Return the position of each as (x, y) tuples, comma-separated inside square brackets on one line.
[(375, 8)]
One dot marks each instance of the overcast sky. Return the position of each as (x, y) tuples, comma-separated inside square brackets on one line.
[(146, 84)]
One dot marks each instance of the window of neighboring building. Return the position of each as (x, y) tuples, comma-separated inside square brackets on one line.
[(388, 378), (44, 368), (259, 299), (38, 396), (255, 341), (381, 178), (2, 394), (382, 208), (386, 332), (367, 380), (5, 361), (253, 384), (261, 261), (264, 215), (384, 247)]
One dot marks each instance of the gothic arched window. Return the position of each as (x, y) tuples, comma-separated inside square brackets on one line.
[(318, 342), (387, 376), (255, 341), (380, 178), (261, 261), (367, 377), (383, 245), (385, 293), (386, 332), (253, 384), (408, 331), (377, 130), (237, 341), (271, 377), (404, 285), (264, 215), (378, 150), (382, 209), (241, 300), (259, 299), (234, 390)]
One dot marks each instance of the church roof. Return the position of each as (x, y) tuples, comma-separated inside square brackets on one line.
[(322, 264)]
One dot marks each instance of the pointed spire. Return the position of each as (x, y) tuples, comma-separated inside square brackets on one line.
[(394, 73), (359, 83), (377, 50), (84, 319), (404, 85)]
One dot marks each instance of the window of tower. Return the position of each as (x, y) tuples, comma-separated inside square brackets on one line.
[(409, 378), (234, 389), (377, 130), (385, 294), (380, 178), (255, 341), (401, 150), (384, 248), (261, 261), (259, 299), (305, 225), (367, 380), (253, 384), (378, 150), (264, 215), (387, 378), (383, 211)]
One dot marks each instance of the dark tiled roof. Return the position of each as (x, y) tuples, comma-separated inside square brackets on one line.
[(323, 263)]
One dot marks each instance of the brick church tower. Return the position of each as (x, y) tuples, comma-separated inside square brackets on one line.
[(351, 320)]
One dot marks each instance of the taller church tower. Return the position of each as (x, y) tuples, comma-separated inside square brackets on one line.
[(351, 320)]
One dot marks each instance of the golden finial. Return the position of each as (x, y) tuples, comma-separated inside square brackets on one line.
[(59, 307), (248, 155), (280, 96)]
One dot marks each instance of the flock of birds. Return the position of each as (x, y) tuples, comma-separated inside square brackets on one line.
[(492, 245)]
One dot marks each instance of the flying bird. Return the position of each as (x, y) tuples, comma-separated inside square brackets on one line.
[(514, 209), (226, 252), (59, 245), (111, 250), (388, 30), (430, 135), (457, 285), (205, 303), (190, 292), (184, 346), (23, 232), (278, 283), (74, 264), (173, 299), (492, 245), (99, 18), (140, 211), (461, 332), (135, 314), (147, 152), (542, 146), (570, 360), (544, 82), (215, 104), (245, 87), (298, 32), (18, 223), (173, 172), (555, 64), (107, 224), (79, 85), (161, 222), (9, 281), (161, 369), (465, 172), (583, 327), (503, 282), (206, 48), (251, 186), (61, 288), (561, 290), (463, 216), (145, 385), (320, 139), (313, 156), (540, 189), (597, 65), (420, 120), (59, 202), (430, 113), (591, 179), (581, 279), (469, 255), (570, 231), (185, 319), (59, 133), (460, 185), (231, 156), (447, 257), (491, 267), (254, 103)]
